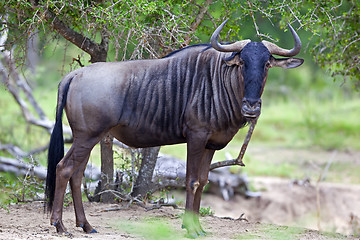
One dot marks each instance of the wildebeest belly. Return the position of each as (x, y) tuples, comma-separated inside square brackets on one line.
[(143, 137)]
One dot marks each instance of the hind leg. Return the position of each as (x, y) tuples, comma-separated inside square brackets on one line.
[(74, 160), (75, 184), (61, 183)]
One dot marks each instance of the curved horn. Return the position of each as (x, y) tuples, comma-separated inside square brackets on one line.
[(234, 47), (274, 49)]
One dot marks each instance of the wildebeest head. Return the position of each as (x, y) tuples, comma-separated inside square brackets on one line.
[(255, 59)]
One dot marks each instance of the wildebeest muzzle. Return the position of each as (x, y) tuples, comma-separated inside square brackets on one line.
[(251, 108)]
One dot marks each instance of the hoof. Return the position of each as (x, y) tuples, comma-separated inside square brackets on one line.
[(60, 228), (69, 235), (87, 228)]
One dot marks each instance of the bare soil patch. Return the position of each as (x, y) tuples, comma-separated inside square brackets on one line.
[(332, 206)]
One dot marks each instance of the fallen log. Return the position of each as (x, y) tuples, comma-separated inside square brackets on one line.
[(171, 172), (21, 168)]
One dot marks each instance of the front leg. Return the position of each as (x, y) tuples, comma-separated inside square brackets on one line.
[(196, 155), (203, 181)]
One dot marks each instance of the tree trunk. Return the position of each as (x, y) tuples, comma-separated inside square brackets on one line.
[(144, 184), (107, 167)]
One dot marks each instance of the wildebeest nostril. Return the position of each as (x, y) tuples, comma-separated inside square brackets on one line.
[(252, 103), (251, 108)]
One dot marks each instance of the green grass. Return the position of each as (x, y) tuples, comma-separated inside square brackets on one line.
[(150, 229), (344, 172), (330, 124), (284, 170)]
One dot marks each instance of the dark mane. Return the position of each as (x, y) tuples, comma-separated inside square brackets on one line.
[(207, 45)]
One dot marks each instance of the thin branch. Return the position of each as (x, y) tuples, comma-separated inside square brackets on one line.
[(13, 81), (159, 205), (253, 18), (238, 160), (358, 39), (198, 19), (295, 16), (98, 52), (241, 218)]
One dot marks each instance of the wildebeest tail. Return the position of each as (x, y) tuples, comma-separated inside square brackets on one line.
[(56, 146)]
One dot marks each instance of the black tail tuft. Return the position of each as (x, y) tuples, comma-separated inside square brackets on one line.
[(56, 149)]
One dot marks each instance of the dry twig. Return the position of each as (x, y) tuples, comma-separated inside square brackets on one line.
[(238, 160)]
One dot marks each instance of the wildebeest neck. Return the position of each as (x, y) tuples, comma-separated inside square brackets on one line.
[(218, 92)]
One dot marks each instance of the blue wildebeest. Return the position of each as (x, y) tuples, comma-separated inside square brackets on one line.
[(201, 95)]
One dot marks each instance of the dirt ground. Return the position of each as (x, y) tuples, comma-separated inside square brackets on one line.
[(28, 222), (287, 203), (282, 202), (285, 210)]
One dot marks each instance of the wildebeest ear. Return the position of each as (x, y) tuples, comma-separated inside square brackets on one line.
[(286, 62), (233, 60)]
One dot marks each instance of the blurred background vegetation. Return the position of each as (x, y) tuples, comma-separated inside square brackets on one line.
[(314, 107)]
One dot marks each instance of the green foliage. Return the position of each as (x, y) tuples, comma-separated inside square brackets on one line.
[(136, 29), (285, 169), (163, 195), (206, 211), (333, 27), (15, 189), (6, 188), (143, 29), (127, 168)]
